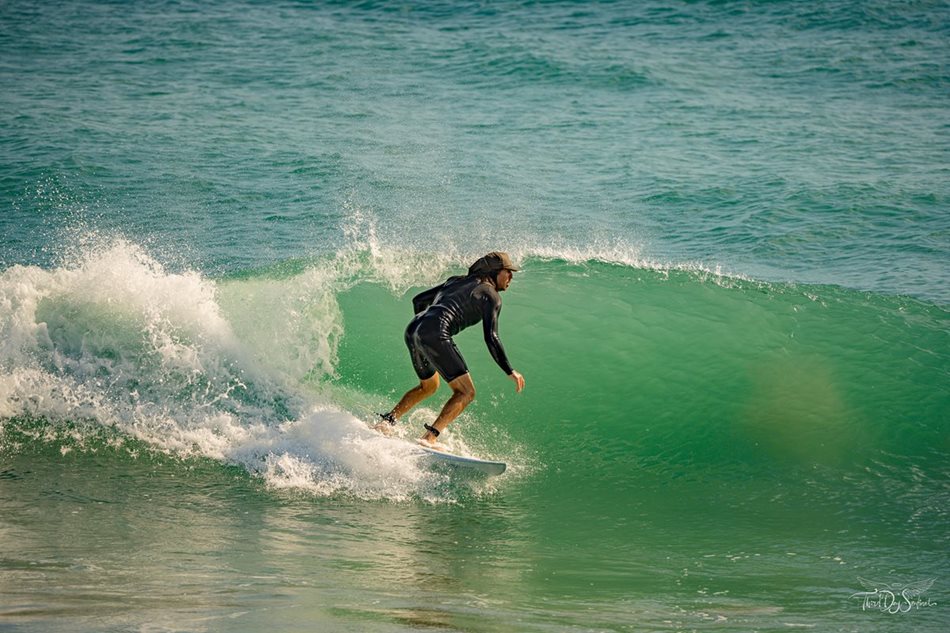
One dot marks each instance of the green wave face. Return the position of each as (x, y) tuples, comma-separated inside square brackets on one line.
[(687, 368)]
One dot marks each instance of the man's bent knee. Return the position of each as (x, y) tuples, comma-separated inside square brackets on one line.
[(464, 387), (429, 385)]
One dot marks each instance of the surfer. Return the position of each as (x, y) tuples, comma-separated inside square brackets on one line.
[(441, 313)]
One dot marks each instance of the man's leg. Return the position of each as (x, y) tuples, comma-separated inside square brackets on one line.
[(463, 392), (417, 394)]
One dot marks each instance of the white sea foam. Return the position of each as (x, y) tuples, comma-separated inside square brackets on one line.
[(193, 367)]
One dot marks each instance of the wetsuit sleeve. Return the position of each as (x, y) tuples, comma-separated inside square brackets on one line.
[(491, 308), (424, 299)]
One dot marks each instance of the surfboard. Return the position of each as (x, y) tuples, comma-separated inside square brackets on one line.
[(488, 467), (441, 457)]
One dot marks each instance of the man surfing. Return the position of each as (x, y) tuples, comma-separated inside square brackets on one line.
[(441, 313)]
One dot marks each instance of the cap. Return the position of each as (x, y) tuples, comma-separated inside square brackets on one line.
[(492, 263)]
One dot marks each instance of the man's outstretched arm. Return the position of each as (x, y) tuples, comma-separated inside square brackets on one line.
[(491, 310)]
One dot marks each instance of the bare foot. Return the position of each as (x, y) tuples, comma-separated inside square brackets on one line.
[(385, 428), (433, 445)]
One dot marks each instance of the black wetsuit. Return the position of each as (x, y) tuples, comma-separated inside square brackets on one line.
[(444, 311)]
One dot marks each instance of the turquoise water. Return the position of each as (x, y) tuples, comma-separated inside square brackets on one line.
[(732, 316)]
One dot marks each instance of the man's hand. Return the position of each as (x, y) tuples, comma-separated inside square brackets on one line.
[(519, 380)]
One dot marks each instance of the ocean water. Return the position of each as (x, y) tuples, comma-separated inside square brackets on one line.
[(732, 318)]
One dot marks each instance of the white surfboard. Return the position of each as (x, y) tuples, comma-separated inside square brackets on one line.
[(485, 466)]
